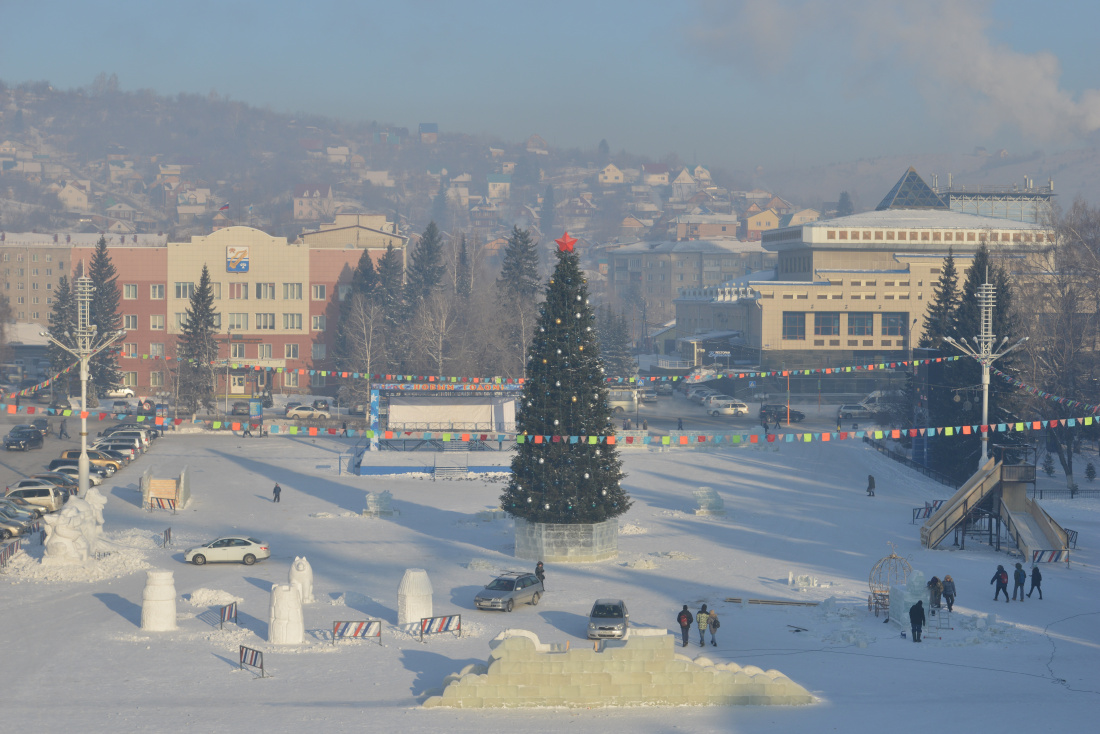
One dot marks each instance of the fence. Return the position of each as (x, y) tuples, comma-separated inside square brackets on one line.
[(882, 448), (929, 509), (253, 659), (166, 540), (1071, 538), (7, 552), (435, 625), (1065, 494), (359, 629), (1050, 556), (228, 612)]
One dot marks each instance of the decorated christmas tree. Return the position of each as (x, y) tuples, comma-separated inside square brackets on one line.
[(565, 478)]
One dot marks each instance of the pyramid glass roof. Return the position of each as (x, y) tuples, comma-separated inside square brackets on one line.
[(911, 192)]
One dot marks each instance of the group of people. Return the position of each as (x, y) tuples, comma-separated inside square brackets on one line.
[(1019, 576), (944, 589), (705, 620), (627, 424)]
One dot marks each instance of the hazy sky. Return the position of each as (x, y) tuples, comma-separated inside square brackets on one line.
[(717, 81)]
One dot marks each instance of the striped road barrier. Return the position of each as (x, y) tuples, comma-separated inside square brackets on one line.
[(361, 629), (253, 659), (229, 614), (435, 625), (1049, 556), (923, 513), (7, 552), (162, 503)]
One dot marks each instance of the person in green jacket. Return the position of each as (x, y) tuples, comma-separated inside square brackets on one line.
[(702, 621)]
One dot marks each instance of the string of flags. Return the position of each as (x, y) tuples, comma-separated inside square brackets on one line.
[(1031, 389)]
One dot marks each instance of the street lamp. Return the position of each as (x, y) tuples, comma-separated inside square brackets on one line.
[(86, 343), (986, 353), (228, 356)]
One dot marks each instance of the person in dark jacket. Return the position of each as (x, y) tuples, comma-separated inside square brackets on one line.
[(63, 431), (1001, 579), (278, 492), (935, 589), (1019, 576), (684, 619), (949, 591), (540, 572), (679, 424), (1036, 579), (870, 485), (916, 619), (703, 620)]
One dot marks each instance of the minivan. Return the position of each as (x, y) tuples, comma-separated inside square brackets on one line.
[(855, 410), (50, 498), (128, 448), (728, 407), (138, 434)]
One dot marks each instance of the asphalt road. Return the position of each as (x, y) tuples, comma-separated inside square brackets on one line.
[(663, 414)]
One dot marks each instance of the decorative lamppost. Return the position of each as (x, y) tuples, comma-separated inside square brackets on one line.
[(86, 343), (986, 353)]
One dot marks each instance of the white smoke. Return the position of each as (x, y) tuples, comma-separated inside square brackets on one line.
[(942, 46)]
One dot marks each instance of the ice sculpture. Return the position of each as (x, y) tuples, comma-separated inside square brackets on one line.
[(287, 625), (72, 535), (158, 602), (414, 597), (301, 577)]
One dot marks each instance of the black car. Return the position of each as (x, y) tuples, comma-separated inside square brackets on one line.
[(779, 412), (23, 439), (92, 468), (239, 408), (42, 426)]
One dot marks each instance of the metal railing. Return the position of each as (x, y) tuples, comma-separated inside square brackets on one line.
[(901, 458)]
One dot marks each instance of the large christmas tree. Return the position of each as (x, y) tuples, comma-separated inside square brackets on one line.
[(565, 400)]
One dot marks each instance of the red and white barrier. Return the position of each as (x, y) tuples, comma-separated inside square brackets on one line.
[(253, 659), (358, 629), (435, 625)]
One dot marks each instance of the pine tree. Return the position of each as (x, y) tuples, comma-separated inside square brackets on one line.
[(426, 268), (364, 281), (103, 368), (565, 395), (463, 273), (519, 273), (939, 317), (197, 349), (1090, 472), (62, 324), (844, 205), (1048, 464), (390, 297)]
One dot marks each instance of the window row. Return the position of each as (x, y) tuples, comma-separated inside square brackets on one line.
[(290, 379), (826, 323), (237, 350), (235, 321), (235, 291)]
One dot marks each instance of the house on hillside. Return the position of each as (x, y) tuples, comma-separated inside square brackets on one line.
[(684, 186), (429, 133), (499, 187), (655, 174), (537, 145), (755, 224), (313, 202), (75, 196), (610, 175)]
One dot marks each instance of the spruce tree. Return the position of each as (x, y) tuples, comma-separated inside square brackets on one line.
[(519, 273), (463, 273), (939, 317), (197, 349), (426, 268), (557, 481), (62, 323), (103, 368), (390, 295)]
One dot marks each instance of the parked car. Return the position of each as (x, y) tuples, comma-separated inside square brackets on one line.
[(11, 528), (728, 407), (235, 549), (358, 409), (608, 618), (73, 472), (47, 496), (21, 504), (123, 459), (95, 458), (648, 394), (321, 404), (120, 407), (127, 450), (854, 410), (779, 412), (22, 514), (509, 589), (23, 438), (42, 426), (290, 406), (239, 408), (664, 388), (700, 394), (306, 412), (121, 392), (64, 481), (57, 464)]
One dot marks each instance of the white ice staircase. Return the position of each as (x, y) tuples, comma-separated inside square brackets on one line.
[(453, 462)]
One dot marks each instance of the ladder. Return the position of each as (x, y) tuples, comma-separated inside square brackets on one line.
[(451, 464)]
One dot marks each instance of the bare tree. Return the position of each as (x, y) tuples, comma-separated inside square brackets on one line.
[(365, 325), (433, 327)]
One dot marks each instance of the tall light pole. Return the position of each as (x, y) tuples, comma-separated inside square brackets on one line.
[(986, 353), (228, 355), (86, 343)]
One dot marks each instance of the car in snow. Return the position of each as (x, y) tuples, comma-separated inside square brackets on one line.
[(664, 388), (96, 458), (855, 410), (608, 619), (232, 549), (11, 528), (509, 589), (779, 412), (23, 438), (306, 412), (94, 478), (239, 408), (727, 407), (121, 392)]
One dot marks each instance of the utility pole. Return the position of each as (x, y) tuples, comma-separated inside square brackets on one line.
[(986, 353), (86, 343)]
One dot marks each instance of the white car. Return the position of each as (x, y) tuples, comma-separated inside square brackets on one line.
[(74, 472), (854, 410), (711, 399), (233, 549), (728, 407), (307, 412), (121, 392)]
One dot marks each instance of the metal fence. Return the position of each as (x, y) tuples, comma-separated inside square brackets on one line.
[(901, 458)]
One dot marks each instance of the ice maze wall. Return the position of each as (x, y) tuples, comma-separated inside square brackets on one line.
[(639, 670)]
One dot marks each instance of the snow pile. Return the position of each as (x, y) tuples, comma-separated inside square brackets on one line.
[(211, 598), (674, 555), (644, 564), (630, 528), (122, 560)]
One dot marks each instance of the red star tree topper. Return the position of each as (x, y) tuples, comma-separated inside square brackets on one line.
[(565, 244)]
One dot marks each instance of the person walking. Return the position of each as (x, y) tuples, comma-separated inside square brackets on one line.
[(247, 430), (1000, 577), (1036, 579), (702, 621), (63, 430), (1019, 576), (540, 573), (278, 491), (684, 619), (838, 425), (764, 422), (870, 485), (935, 589), (679, 424), (713, 626), (645, 424), (778, 424), (916, 619), (949, 591)]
